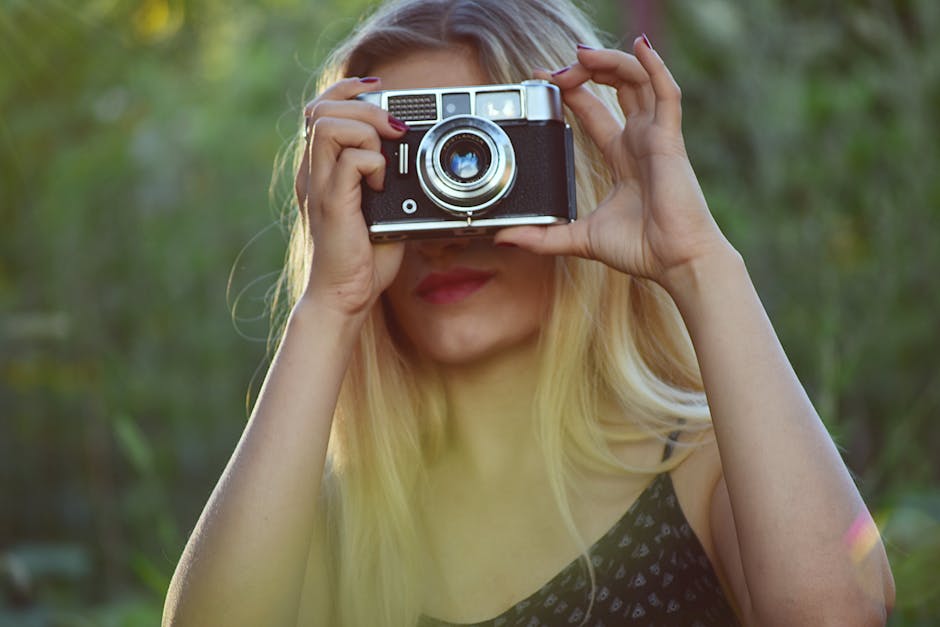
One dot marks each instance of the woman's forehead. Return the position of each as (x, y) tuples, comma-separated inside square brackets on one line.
[(445, 67)]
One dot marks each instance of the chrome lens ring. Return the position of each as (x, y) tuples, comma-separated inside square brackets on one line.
[(480, 193)]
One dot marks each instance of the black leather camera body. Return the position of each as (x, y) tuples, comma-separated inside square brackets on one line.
[(474, 160)]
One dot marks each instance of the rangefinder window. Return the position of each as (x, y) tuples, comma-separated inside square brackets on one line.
[(499, 105)]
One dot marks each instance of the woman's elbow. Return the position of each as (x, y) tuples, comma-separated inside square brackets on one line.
[(831, 606)]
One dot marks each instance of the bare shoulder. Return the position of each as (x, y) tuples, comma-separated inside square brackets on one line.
[(695, 480), (703, 497)]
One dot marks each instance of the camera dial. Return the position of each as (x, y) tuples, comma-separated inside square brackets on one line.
[(466, 164)]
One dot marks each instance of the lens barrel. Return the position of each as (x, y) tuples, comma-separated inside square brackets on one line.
[(466, 164)]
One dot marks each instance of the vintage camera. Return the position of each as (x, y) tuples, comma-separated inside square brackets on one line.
[(475, 159)]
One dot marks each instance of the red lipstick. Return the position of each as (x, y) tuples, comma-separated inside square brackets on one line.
[(454, 285)]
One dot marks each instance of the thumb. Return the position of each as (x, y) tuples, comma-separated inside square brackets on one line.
[(561, 239)]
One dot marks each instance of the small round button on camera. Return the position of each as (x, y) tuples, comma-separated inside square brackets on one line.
[(409, 206)]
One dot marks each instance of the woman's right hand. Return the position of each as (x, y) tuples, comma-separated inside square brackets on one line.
[(343, 148)]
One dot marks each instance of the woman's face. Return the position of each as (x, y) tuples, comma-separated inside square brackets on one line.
[(460, 300)]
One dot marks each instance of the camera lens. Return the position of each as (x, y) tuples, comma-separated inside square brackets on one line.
[(465, 158), (465, 164)]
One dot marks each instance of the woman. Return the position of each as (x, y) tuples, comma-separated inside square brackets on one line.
[(452, 430)]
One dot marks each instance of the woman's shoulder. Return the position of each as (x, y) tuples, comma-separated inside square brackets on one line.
[(700, 469), (695, 480), (696, 474), (699, 487)]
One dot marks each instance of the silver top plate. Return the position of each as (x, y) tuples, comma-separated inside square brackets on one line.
[(539, 100)]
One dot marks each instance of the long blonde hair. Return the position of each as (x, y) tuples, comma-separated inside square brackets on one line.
[(609, 335)]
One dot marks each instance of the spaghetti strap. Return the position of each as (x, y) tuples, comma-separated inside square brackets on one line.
[(670, 444), (650, 569)]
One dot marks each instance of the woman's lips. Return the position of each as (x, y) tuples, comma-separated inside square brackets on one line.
[(441, 288)]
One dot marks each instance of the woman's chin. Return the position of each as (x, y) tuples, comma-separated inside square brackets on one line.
[(464, 352)]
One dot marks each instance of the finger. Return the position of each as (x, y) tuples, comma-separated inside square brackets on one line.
[(602, 126), (387, 125), (667, 92), (599, 121), (343, 190), (345, 89), (626, 66), (628, 102), (331, 136), (338, 100), (340, 90), (622, 71), (562, 239)]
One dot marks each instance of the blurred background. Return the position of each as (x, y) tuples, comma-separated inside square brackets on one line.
[(139, 246)]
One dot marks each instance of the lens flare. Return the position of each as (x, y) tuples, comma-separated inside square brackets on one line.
[(861, 537)]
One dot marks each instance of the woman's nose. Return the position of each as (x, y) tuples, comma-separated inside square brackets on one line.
[(437, 248)]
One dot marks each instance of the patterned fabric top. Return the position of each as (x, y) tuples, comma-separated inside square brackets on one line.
[(651, 570)]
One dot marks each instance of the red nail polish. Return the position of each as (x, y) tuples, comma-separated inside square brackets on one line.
[(646, 40), (369, 79), (506, 245), (561, 71), (585, 47), (397, 124)]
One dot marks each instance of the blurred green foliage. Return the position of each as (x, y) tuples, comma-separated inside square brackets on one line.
[(136, 144)]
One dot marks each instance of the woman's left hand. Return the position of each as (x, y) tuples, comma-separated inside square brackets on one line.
[(655, 221)]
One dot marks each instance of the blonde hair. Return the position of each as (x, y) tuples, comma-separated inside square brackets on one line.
[(609, 335)]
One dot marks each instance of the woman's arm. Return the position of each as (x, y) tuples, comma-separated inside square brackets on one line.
[(785, 490), (796, 511), (245, 561)]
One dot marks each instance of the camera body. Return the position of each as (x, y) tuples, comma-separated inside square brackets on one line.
[(474, 160)]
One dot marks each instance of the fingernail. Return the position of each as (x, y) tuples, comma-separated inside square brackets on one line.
[(561, 71), (506, 245), (369, 79), (585, 47), (646, 40), (397, 124)]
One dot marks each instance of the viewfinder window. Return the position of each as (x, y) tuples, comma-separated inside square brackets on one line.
[(499, 105)]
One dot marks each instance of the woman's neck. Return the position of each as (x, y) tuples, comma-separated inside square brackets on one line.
[(491, 431)]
